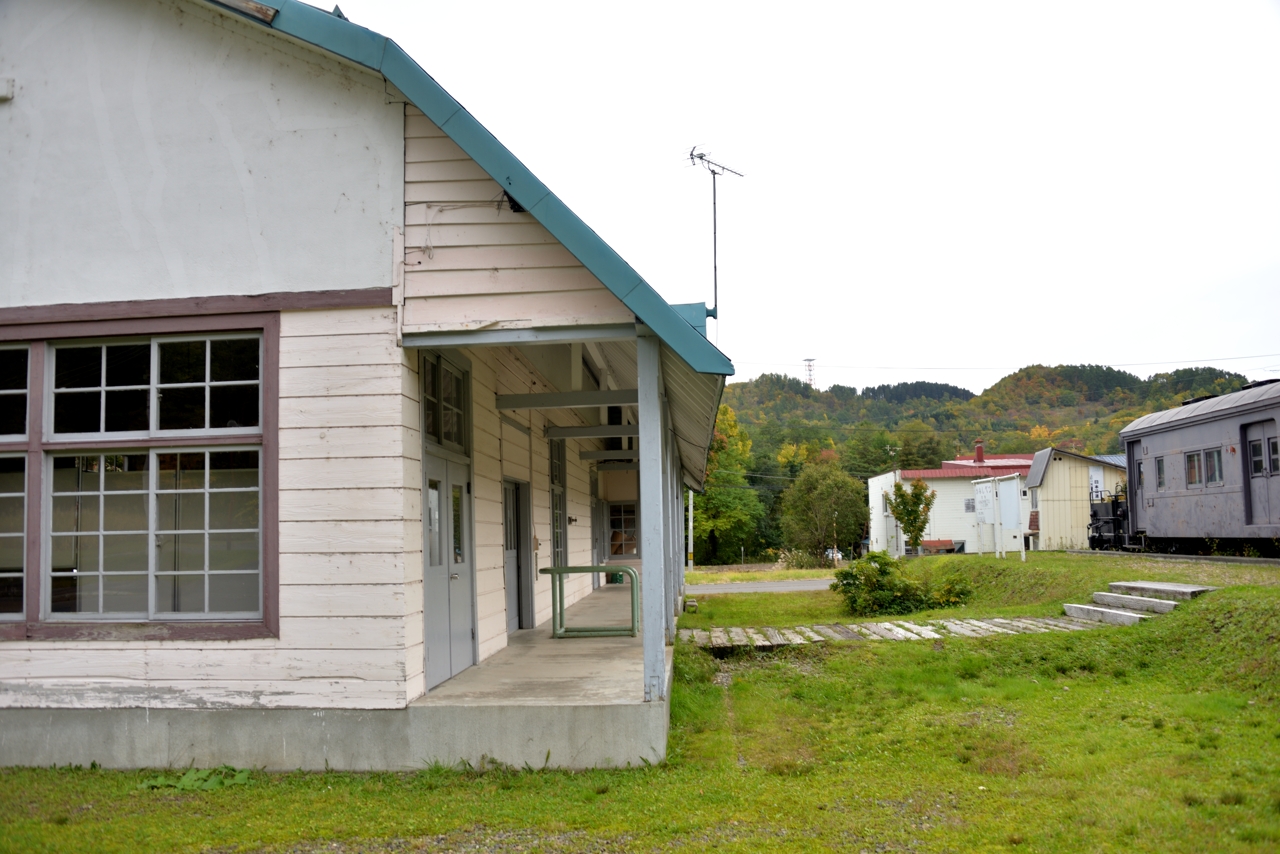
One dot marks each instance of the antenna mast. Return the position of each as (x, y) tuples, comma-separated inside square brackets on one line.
[(698, 158)]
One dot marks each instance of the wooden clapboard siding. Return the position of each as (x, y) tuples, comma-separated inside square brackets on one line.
[(348, 568), (329, 443), (80, 693), (470, 261)]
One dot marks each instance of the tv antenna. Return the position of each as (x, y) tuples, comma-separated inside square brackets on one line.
[(698, 158), (808, 372)]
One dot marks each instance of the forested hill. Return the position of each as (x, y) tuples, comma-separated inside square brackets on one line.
[(1075, 406)]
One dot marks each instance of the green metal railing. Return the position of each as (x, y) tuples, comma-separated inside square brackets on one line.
[(560, 630)]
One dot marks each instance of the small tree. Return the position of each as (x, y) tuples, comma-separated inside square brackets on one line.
[(726, 515), (823, 508), (911, 509)]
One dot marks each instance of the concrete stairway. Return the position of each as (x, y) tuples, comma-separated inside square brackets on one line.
[(1130, 602)]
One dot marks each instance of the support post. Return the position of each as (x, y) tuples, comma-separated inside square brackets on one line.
[(688, 565), (652, 536)]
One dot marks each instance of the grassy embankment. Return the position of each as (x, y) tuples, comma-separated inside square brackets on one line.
[(1001, 587), (1161, 737)]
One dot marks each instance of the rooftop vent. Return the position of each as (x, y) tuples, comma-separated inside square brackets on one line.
[(1192, 400), (1257, 384)]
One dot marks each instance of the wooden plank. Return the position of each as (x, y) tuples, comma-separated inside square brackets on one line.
[(961, 629), (758, 640), (452, 192), (923, 631), (327, 505), (350, 473), (702, 637), (792, 637), (426, 149), (337, 537), (774, 637), (336, 442), (567, 400), (335, 569), (1016, 626), (319, 350), (989, 627), (1064, 624), (862, 631), (477, 234), (347, 693), (487, 258), (493, 279), (685, 635), (432, 171), (719, 638), (420, 126), (386, 378), (346, 321), (738, 637), (881, 631), (809, 634), (369, 411), (231, 665), (828, 633)]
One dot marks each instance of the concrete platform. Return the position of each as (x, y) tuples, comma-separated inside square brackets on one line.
[(1135, 603), (568, 703), (1110, 616), (1159, 589)]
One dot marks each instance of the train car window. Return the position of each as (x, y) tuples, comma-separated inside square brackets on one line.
[(1257, 463), (1213, 466), (1159, 473), (1142, 481), (1195, 470), (1274, 446)]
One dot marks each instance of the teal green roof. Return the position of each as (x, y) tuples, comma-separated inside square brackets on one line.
[(367, 48)]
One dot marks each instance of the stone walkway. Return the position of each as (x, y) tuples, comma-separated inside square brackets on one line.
[(769, 637)]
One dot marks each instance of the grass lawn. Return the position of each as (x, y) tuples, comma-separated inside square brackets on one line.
[(1001, 587), (721, 575), (1159, 737)]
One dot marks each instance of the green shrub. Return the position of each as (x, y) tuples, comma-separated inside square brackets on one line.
[(875, 586), (799, 559)]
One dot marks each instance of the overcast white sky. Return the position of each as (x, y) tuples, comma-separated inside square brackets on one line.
[(944, 191)]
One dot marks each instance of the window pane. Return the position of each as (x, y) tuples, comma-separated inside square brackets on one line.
[(13, 369), (13, 474), (181, 471), (182, 362), (128, 410), (124, 593), (233, 551), (233, 469), (183, 594), (75, 554), (233, 509), (1256, 460), (13, 414), (1274, 448), (74, 594), (126, 553), (75, 513), (129, 364), (433, 522), (180, 511), (238, 592), (181, 408), (1159, 473), (79, 412), (11, 595), (233, 406), (1193, 469), (458, 555), (127, 471), (10, 554), (1213, 466), (180, 553), (452, 387), (124, 512), (77, 367), (233, 360), (11, 515), (429, 380)]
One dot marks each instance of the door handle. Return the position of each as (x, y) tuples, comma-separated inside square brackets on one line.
[(453, 576)]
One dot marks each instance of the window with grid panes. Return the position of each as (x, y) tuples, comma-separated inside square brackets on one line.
[(13, 515), (444, 403), (622, 530), (13, 391), (155, 532)]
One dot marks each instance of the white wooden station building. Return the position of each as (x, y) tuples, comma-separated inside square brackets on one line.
[(304, 378)]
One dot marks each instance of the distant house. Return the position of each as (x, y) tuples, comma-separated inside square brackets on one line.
[(952, 522), (1061, 484)]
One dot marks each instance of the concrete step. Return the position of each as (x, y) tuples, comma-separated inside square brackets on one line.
[(1111, 616), (1135, 603), (1159, 589)]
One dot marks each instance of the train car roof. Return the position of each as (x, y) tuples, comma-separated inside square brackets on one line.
[(1262, 396)]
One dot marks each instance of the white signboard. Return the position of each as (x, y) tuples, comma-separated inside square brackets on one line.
[(1095, 483), (1010, 506), (984, 502)]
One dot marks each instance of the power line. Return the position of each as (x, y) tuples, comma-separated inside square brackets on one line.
[(1006, 367)]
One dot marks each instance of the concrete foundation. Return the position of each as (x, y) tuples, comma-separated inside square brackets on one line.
[(568, 703)]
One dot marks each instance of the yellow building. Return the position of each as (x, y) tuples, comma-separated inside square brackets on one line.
[(1061, 485)]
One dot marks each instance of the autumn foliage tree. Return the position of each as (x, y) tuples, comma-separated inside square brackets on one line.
[(823, 508), (726, 515), (910, 507)]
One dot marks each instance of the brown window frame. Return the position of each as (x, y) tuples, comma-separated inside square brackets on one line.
[(39, 336)]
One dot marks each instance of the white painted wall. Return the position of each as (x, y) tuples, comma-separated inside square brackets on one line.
[(161, 148), (947, 521)]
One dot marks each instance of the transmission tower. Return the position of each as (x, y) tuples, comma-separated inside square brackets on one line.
[(808, 372)]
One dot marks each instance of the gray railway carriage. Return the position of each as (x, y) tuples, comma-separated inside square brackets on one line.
[(1206, 476)]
